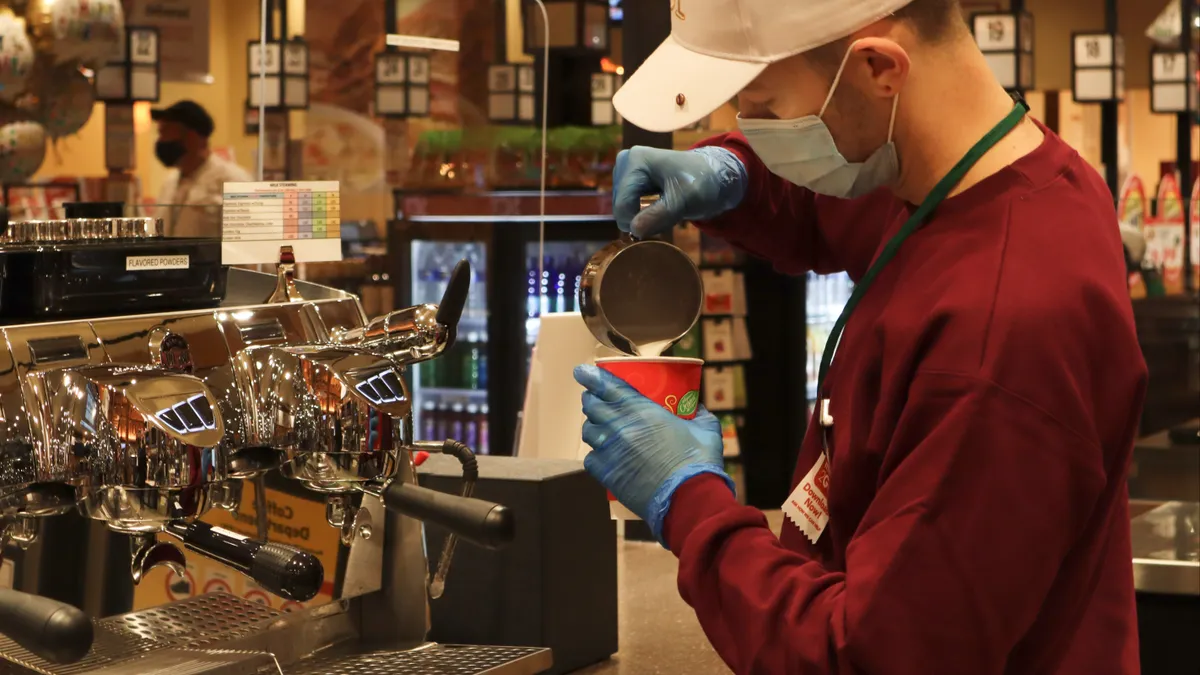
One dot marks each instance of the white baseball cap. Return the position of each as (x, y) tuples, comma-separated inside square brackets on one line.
[(717, 47)]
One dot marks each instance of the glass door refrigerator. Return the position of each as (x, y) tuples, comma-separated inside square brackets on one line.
[(825, 297), (475, 392)]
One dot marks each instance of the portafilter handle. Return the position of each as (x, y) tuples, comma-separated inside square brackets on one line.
[(454, 298), (283, 570), (484, 523), (53, 630)]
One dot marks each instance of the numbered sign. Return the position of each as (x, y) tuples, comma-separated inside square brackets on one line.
[(996, 32), (1095, 51), (1171, 88), (277, 75), (418, 69), (295, 58), (402, 84), (134, 76), (143, 46), (604, 85), (1006, 40), (502, 79), (264, 59), (526, 79), (390, 68), (1098, 66)]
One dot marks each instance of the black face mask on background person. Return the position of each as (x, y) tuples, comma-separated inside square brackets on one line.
[(169, 152)]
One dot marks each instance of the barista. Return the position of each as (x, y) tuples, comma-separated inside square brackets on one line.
[(193, 189), (960, 501)]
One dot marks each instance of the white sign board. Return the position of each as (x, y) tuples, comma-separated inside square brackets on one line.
[(420, 42), (258, 218), (996, 32), (183, 27), (1094, 51)]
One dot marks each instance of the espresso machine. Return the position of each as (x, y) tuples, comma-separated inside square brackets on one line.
[(144, 418)]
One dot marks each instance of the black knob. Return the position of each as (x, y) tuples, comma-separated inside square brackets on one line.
[(484, 523), (53, 630), (283, 570)]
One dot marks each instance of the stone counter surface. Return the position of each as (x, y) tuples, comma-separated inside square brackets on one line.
[(658, 634)]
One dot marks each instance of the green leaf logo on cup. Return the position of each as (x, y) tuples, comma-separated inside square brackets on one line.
[(688, 404)]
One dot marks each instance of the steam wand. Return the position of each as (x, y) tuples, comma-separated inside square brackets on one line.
[(470, 474)]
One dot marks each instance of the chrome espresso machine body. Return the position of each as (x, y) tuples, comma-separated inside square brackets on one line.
[(144, 422)]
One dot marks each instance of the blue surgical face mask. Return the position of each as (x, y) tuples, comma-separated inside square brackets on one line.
[(803, 152)]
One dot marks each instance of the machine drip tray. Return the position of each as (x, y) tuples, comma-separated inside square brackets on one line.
[(187, 638), (440, 659)]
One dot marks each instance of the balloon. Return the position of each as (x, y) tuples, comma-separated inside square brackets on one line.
[(64, 99), (90, 32), (22, 149), (16, 55)]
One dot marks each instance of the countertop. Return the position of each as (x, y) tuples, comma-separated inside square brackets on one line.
[(657, 632)]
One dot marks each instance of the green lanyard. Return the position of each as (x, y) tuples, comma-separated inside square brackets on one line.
[(914, 222)]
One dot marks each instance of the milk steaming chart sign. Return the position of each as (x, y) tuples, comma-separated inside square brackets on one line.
[(258, 218)]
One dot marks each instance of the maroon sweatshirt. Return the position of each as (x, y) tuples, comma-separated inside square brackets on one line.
[(985, 397)]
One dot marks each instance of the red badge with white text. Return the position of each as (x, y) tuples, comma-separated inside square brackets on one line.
[(808, 505)]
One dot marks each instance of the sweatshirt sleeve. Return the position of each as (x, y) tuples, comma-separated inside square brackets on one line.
[(794, 229), (938, 578)]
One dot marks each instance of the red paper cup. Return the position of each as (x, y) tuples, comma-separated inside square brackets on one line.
[(672, 382)]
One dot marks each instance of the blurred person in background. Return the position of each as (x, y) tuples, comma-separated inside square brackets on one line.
[(192, 191), (959, 504)]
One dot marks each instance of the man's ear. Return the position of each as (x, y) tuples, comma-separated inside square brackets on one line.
[(886, 63)]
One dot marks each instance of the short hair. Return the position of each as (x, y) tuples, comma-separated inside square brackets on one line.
[(934, 21)]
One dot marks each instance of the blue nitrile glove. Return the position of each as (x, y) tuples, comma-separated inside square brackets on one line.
[(641, 451), (692, 185)]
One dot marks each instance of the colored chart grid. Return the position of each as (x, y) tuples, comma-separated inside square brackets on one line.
[(282, 211), (257, 219)]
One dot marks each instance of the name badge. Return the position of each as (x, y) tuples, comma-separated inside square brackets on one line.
[(808, 505)]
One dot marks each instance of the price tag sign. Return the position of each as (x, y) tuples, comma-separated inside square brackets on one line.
[(996, 32), (264, 59)]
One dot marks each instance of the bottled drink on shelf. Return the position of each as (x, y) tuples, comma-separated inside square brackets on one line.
[(531, 290), (457, 414), (429, 421), (481, 364), (477, 299), (483, 430), (560, 286), (548, 273), (450, 367), (471, 352), (442, 426), (577, 281), (471, 428), (427, 373)]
